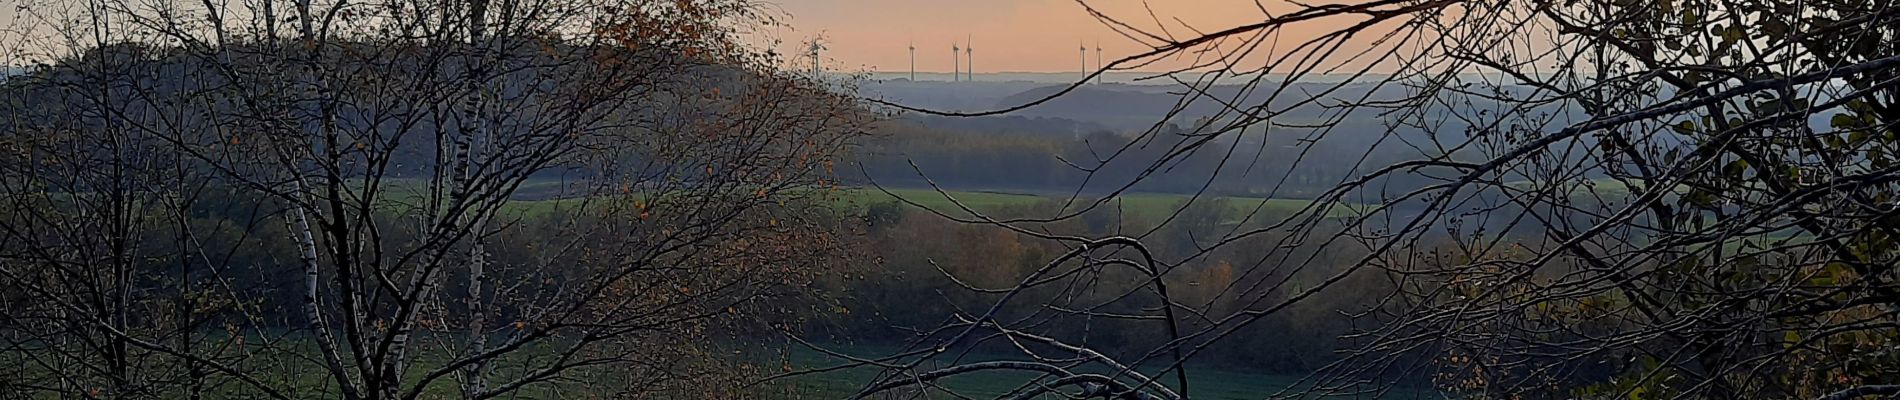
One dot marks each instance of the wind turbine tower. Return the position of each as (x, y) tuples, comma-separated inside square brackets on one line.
[(1098, 60), (815, 48), (956, 65), (969, 59), (913, 61), (1085, 59)]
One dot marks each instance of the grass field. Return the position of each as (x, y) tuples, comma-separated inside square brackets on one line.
[(1139, 206), (1207, 382), (539, 200), (288, 369)]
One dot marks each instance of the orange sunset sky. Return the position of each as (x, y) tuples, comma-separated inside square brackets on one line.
[(1009, 35)]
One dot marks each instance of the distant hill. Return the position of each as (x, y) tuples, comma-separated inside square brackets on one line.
[(1121, 107), (1066, 77)]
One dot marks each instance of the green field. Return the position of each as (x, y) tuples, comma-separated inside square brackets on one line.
[(857, 199), (286, 367), (539, 198), (1207, 382), (1138, 206)]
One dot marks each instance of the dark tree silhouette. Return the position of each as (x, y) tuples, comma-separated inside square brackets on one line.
[(1667, 199), (327, 199)]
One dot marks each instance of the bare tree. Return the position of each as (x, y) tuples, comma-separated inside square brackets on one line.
[(396, 199), (1671, 199)]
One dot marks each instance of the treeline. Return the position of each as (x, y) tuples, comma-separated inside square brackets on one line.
[(903, 271), (1043, 155), (926, 265)]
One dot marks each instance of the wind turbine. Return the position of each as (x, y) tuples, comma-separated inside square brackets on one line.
[(1098, 60), (1085, 59), (815, 48), (969, 59), (913, 61), (956, 64)]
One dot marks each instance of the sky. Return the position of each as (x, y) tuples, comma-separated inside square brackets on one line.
[(1009, 35)]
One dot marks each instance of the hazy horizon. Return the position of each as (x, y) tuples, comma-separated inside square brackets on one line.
[(1011, 36)]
